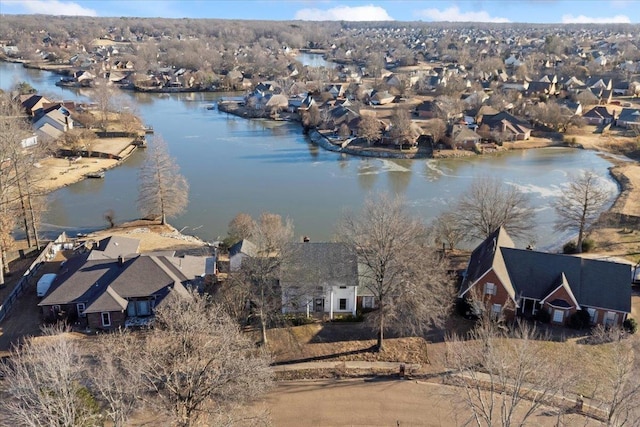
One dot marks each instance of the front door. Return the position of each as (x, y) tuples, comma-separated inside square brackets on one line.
[(318, 305)]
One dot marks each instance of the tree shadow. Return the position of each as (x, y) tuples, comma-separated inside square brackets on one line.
[(323, 357)]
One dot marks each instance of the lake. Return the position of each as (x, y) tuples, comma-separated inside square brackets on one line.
[(236, 165)]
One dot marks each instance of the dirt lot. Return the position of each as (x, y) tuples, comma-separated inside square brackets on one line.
[(377, 402)]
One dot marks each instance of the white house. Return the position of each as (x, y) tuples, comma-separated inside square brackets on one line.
[(238, 252), (56, 119), (319, 278)]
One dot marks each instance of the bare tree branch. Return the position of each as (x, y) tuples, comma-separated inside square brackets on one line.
[(580, 205), (163, 190)]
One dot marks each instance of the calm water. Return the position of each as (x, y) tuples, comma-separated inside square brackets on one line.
[(235, 165)]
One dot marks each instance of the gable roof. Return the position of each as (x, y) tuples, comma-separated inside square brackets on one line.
[(105, 284), (245, 247), (599, 112), (535, 274), (504, 119), (309, 262), (629, 115), (114, 246)]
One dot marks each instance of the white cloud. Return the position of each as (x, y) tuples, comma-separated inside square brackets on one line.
[(53, 7), (453, 14), (582, 19), (345, 13)]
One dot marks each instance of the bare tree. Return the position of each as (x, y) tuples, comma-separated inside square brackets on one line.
[(369, 128), (407, 279), (489, 204), (580, 205), (447, 230), (195, 363), (241, 227), (18, 195), (437, 128), (498, 372), (115, 380), (400, 126), (43, 381), (618, 379), (103, 96), (258, 276), (163, 190)]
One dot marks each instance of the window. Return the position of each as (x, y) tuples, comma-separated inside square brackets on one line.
[(489, 289), (106, 319), (143, 308), (80, 307), (496, 309), (593, 315), (367, 302), (611, 318), (558, 316), (139, 308), (343, 303)]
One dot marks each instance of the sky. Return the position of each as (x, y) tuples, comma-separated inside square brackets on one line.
[(531, 11)]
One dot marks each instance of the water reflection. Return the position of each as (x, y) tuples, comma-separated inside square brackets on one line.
[(236, 165)]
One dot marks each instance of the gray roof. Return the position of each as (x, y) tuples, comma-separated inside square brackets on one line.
[(535, 274), (106, 284), (335, 264), (114, 246), (244, 247)]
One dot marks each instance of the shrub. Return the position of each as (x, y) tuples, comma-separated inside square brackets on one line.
[(543, 316), (348, 318), (588, 245), (297, 320), (569, 248), (630, 325), (580, 319)]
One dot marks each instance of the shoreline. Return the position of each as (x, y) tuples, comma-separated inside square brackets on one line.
[(72, 174)]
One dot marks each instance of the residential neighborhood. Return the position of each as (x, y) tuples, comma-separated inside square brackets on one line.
[(465, 194)]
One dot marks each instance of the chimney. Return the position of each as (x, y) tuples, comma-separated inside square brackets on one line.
[(120, 260)]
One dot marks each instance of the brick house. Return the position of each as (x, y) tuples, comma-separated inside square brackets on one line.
[(111, 287), (522, 282)]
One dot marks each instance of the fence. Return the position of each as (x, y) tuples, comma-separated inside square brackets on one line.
[(22, 285)]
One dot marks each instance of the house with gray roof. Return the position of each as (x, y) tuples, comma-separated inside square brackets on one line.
[(319, 278), (523, 282), (111, 287), (239, 251), (628, 118)]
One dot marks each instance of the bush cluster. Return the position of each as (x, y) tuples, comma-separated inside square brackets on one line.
[(587, 246), (630, 325)]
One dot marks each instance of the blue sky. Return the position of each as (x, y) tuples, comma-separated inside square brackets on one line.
[(534, 11)]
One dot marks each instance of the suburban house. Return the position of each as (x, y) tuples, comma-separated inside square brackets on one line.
[(523, 282), (462, 138), (598, 115), (32, 103), (55, 118), (319, 278), (629, 117), (239, 251), (110, 287), (508, 125)]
